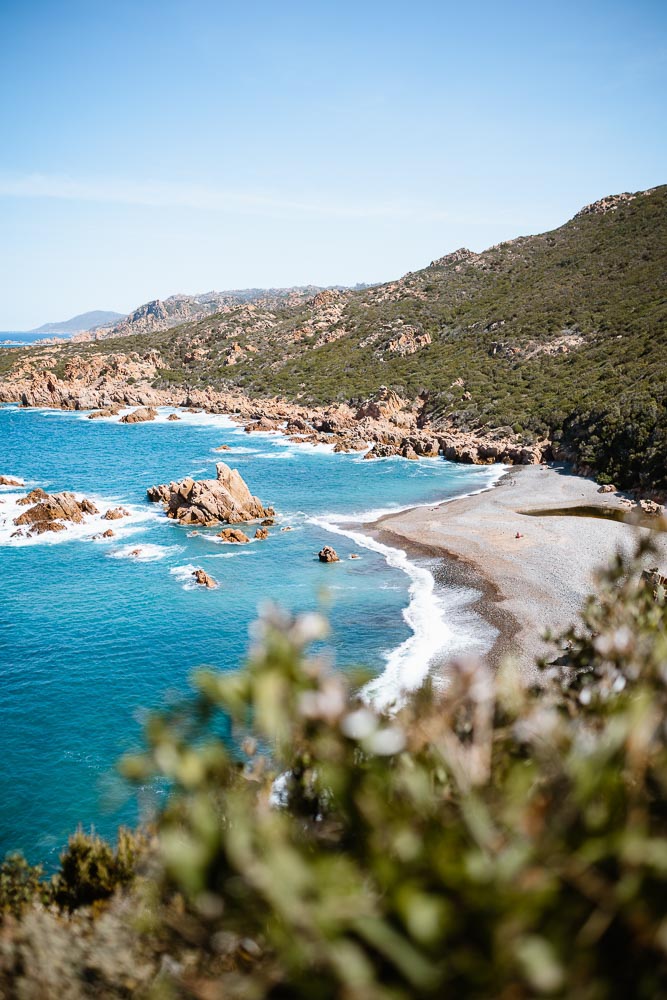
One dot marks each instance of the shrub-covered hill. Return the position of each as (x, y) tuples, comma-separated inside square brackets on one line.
[(562, 334)]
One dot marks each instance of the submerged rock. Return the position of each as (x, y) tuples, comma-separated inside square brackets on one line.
[(328, 555), (210, 501)]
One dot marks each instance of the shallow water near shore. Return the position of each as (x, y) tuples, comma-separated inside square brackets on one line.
[(95, 633)]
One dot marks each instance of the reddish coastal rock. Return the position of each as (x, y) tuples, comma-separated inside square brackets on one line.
[(234, 535), (328, 555), (10, 481), (210, 501), (204, 580), (261, 534), (139, 416), (49, 513), (115, 513)]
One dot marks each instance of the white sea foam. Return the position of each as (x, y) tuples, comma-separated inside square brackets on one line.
[(148, 552), (86, 530), (185, 576), (439, 619), (235, 449), (230, 555)]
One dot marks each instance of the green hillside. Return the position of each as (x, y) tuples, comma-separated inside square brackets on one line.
[(562, 334)]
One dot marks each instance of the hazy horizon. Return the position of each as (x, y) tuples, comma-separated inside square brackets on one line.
[(151, 150)]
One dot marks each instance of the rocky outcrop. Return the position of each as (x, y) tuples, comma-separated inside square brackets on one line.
[(210, 501), (10, 481), (115, 513), (53, 512), (477, 449), (173, 416), (233, 535), (139, 416), (261, 534), (204, 580), (385, 403), (328, 555), (108, 411)]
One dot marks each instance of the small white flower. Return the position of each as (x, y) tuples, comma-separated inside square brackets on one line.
[(359, 725), (386, 742)]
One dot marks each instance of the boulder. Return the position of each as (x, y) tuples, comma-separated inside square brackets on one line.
[(222, 447), (650, 507), (109, 533), (108, 411), (139, 416), (210, 501), (50, 511), (234, 535), (204, 580), (328, 555), (173, 416), (10, 481), (261, 534), (37, 494), (115, 513), (607, 488)]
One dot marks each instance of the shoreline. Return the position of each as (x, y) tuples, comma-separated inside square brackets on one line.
[(529, 584)]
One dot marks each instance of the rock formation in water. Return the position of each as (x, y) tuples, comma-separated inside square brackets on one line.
[(52, 512), (205, 502), (328, 555), (140, 415), (204, 580), (233, 535)]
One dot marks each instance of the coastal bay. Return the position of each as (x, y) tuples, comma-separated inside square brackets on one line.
[(530, 583)]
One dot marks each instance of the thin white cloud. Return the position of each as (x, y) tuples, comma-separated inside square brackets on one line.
[(166, 194)]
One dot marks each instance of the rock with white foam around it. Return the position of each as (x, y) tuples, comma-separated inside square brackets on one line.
[(204, 502)]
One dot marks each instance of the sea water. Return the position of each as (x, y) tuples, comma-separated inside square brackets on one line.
[(96, 633)]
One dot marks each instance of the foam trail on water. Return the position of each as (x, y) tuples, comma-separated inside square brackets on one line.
[(438, 619)]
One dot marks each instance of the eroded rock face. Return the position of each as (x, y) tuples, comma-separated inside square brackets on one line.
[(225, 499), (139, 416), (204, 580), (50, 511), (328, 555)]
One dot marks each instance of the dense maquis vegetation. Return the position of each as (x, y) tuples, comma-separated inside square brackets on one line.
[(488, 840), (562, 334)]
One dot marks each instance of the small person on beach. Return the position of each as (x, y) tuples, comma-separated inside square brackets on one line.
[(518, 535)]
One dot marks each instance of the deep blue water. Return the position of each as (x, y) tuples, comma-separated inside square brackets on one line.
[(91, 637)]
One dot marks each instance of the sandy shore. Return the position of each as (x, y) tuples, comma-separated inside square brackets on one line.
[(528, 584)]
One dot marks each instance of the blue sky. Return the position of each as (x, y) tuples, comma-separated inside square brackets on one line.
[(148, 148)]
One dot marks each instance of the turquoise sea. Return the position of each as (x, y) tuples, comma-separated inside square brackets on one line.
[(92, 636)]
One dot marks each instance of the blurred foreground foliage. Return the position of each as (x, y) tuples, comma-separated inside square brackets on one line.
[(487, 839)]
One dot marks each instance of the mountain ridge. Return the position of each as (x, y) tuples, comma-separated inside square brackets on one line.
[(561, 336)]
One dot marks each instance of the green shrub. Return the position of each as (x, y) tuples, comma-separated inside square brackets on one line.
[(487, 840), (92, 870), (20, 884)]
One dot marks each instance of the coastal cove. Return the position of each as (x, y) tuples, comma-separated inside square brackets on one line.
[(96, 631)]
